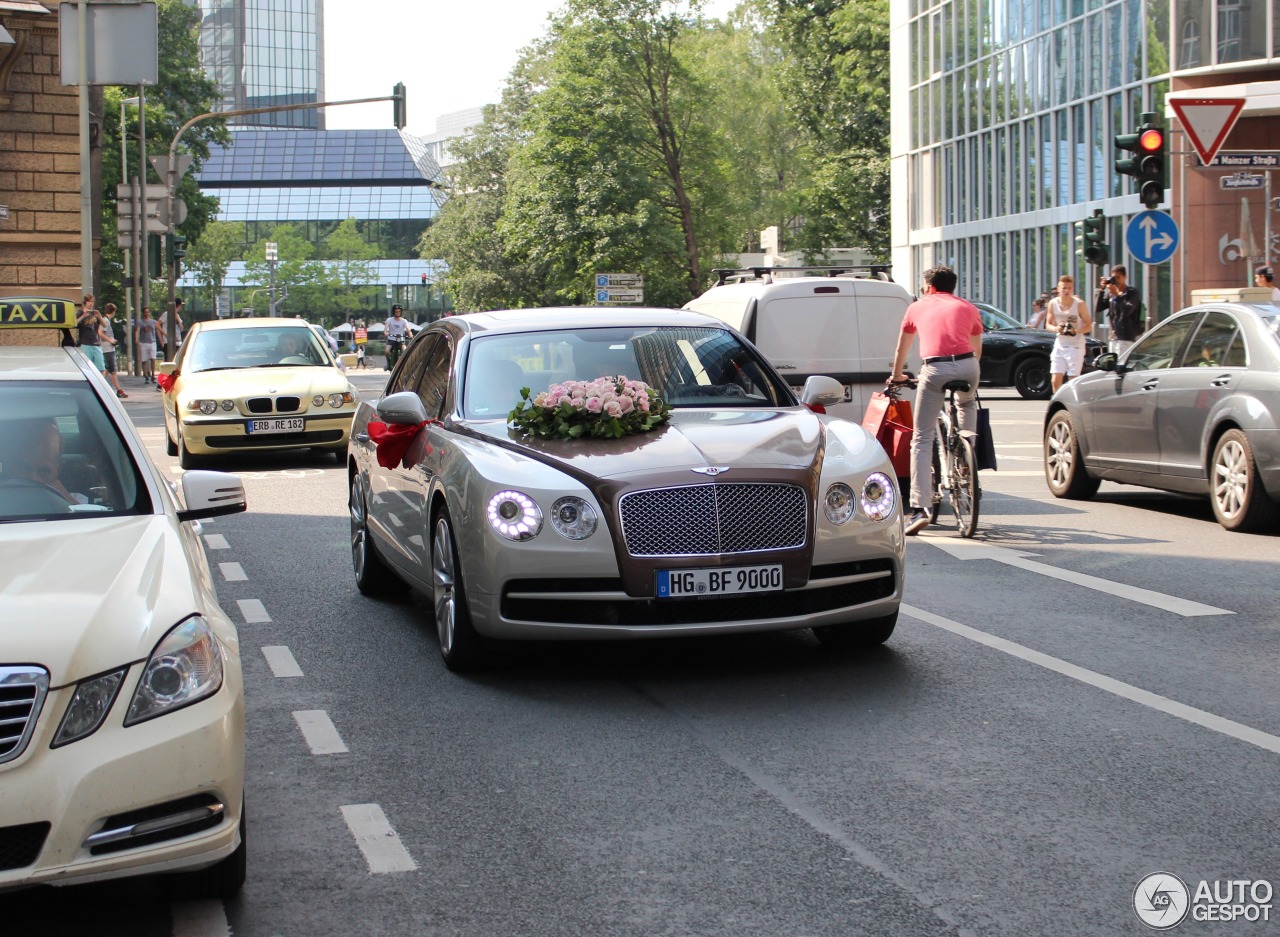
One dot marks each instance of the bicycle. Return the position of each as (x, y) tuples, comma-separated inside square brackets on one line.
[(394, 350), (955, 465)]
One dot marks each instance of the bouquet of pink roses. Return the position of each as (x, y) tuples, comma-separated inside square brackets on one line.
[(608, 407)]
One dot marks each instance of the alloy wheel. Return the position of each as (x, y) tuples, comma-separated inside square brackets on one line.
[(1231, 478), (444, 577)]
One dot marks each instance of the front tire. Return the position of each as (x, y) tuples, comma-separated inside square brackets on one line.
[(857, 634), (1031, 379), (185, 457), (373, 577), (170, 447), (460, 645), (1064, 470), (1235, 488)]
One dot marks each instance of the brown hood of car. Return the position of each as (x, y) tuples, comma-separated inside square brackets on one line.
[(741, 439), (743, 445)]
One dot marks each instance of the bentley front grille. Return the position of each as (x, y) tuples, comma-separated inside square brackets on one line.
[(22, 692), (699, 520)]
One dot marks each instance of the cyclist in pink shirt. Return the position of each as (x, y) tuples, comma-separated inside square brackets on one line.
[(950, 330)]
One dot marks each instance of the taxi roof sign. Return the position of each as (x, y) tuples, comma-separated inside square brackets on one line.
[(36, 312)]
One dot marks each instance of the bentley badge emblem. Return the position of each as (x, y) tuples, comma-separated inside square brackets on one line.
[(712, 470)]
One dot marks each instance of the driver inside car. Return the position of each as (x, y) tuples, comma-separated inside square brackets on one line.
[(289, 345), (36, 457)]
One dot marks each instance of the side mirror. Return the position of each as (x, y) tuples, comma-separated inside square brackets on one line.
[(1107, 361), (403, 408), (822, 390), (166, 367), (211, 494)]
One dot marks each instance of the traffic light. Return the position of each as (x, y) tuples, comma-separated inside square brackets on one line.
[(1146, 164), (177, 248), (399, 109), (155, 267), (1093, 235)]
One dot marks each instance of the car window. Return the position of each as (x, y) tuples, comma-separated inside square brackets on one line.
[(1159, 348), (220, 349), (408, 371), (688, 366), (1218, 343), (62, 456), (994, 320), (433, 387)]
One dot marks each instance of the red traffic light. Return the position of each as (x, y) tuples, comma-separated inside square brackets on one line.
[(1151, 140)]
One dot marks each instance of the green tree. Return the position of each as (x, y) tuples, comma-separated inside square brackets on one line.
[(183, 91), (210, 257), (351, 253)]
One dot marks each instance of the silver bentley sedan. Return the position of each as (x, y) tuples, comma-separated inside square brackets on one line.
[(1191, 407), (745, 510)]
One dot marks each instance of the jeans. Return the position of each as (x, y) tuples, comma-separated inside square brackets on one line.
[(929, 399)]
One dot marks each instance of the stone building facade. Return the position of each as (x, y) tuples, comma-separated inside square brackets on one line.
[(40, 240)]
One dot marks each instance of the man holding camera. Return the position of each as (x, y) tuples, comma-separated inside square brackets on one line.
[(1123, 306)]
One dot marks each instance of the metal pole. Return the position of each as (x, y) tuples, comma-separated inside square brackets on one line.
[(128, 254), (144, 278), (86, 165), (139, 234), (272, 293), (1266, 214)]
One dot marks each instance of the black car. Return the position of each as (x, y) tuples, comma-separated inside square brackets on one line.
[(1018, 356)]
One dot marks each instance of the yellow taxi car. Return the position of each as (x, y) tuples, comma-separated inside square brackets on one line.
[(121, 690), (239, 385)]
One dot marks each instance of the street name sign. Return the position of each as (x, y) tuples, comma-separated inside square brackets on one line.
[(1207, 121), (628, 281), (1236, 160), (1151, 237), (1242, 180)]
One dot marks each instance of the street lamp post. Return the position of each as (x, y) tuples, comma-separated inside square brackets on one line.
[(272, 255), (128, 254)]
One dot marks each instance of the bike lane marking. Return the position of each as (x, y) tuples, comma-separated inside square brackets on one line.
[(1163, 704), (974, 550)]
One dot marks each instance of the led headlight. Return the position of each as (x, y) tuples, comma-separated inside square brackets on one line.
[(88, 707), (573, 518), (838, 505), (185, 667), (877, 496), (228, 405), (515, 515), (206, 407)]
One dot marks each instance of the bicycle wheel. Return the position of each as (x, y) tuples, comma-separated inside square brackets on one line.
[(939, 447), (963, 486)]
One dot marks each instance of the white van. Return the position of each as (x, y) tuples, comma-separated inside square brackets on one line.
[(840, 324)]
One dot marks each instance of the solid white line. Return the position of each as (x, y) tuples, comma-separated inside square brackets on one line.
[(216, 542), (253, 611), (280, 660), (377, 840), (1019, 445), (318, 729), (232, 572), (1127, 691), (1004, 473), (199, 919)]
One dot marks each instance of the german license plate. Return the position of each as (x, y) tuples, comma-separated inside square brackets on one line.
[(293, 424), (691, 583)]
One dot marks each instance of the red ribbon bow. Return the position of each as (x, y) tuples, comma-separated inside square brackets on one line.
[(393, 441), (166, 381)]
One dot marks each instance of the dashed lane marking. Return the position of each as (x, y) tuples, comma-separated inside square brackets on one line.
[(1200, 717), (280, 660), (253, 611), (377, 840), (318, 730), (199, 919), (216, 542), (232, 572)]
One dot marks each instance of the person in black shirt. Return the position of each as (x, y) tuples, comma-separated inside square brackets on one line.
[(1123, 307)]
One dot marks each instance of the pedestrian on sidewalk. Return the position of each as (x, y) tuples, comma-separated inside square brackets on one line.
[(145, 337), (107, 335)]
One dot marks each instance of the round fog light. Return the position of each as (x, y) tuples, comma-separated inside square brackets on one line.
[(228, 405), (317, 400)]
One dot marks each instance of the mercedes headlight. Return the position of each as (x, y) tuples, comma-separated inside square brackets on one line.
[(185, 667), (515, 515), (838, 505), (573, 518), (89, 706), (877, 496)]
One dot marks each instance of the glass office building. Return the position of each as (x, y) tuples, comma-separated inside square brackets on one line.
[(264, 53)]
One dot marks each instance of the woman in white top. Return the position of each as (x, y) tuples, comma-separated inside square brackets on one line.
[(1068, 315)]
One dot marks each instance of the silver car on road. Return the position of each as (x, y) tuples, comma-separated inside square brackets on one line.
[(1191, 407)]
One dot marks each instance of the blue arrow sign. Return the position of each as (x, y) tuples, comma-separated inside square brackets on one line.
[(1151, 237)]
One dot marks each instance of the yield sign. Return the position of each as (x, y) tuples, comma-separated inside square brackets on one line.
[(1207, 121)]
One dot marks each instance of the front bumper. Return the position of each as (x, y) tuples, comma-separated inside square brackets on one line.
[(158, 769), (214, 435)]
